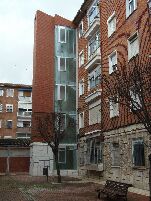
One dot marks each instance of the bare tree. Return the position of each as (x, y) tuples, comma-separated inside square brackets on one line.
[(49, 127), (130, 86)]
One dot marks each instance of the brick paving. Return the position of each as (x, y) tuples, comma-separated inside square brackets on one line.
[(27, 188)]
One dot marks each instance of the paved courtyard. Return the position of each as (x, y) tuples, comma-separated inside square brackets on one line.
[(27, 188)]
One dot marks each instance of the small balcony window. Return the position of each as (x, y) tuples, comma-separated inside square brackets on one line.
[(93, 13), (133, 46), (112, 62), (94, 45), (131, 5)]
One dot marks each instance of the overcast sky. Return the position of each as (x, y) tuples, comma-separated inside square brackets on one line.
[(16, 34)]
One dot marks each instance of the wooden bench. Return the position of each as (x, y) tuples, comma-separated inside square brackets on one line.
[(114, 190)]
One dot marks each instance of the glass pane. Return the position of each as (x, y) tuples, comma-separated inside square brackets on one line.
[(62, 35), (62, 64)]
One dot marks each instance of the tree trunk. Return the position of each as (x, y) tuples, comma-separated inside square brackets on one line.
[(58, 168)]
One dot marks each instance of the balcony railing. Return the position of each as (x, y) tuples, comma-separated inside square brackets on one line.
[(24, 114), (24, 130), (25, 99)]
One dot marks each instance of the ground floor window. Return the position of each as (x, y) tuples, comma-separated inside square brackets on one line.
[(94, 151), (115, 154), (138, 152)]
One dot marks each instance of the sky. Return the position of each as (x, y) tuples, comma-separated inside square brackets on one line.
[(17, 34)]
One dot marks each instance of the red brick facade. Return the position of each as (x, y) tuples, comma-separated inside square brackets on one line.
[(43, 68), (125, 28)]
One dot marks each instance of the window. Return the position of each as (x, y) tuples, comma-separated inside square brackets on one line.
[(1, 107), (81, 87), (81, 29), (115, 154), (10, 92), (94, 151), (94, 78), (111, 24), (61, 92), (94, 45), (9, 108), (62, 34), (133, 46), (93, 13), (62, 155), (138, 152), (135, 100), (1, 92), (131, 5), (20, 93), (0, 123), (95, 113), (62, 64), (81, 120), (112, 62), (9, 124), (81, 58), (114, 108)]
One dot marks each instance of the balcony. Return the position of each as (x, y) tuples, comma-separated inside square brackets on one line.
[(93, 28), (92, 96), (24, 130), (93, 60), (25, 99), (24, 114)]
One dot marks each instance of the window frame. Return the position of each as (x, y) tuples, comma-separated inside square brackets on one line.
[(59, 32), (111, 66), (94, 76), (7, 91), (80, 29), (64, 161), (128, 12), (1, 92), (114, 151), (135, 141), (92, 106), (94, 153), (93, 44), (7, 121), (1, 123), (81, 120), (81, 58), (59, 66), (131, 39), (109, 21), (58, 91), (90, 12), (8, 106), (81, 87), (112, 111)]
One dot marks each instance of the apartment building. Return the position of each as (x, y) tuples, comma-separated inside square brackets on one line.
[(15, 127), (125, 36), (54, 81), (110, 34), (89, 90), (15, 110)]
